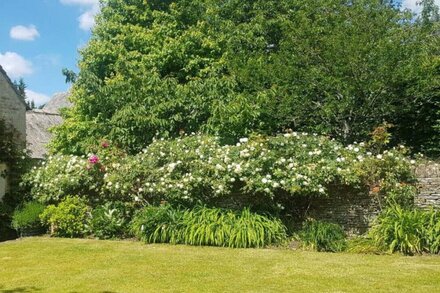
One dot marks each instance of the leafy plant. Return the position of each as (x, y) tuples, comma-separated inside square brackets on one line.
[(398, 229), (69, 218), (322, 236), (431, 231), (237, 67), (208, 226), (28, 216), (262, 172), (161, 224), (110, 220)]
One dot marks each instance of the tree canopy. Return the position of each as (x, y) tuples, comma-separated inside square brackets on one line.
[(232, 67)]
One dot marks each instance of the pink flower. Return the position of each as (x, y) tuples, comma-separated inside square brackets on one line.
[(105, 144), (93, 159)]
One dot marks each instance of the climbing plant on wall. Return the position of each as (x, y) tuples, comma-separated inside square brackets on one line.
[(17, 161)]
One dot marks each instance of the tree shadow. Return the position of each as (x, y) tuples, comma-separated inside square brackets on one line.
[(20, 289)]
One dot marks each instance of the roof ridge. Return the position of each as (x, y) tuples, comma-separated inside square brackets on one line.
[(3, 72)]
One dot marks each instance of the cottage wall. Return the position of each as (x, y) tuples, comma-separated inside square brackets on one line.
[(13, 112), (12, 109)]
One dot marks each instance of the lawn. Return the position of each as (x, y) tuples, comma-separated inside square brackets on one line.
[(81, 265)]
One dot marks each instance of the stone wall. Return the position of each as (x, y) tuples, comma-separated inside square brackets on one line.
[(12, 109), (13, 112), (428, 186), (355, 211)]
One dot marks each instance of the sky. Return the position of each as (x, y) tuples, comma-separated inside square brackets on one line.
[(38, 38)]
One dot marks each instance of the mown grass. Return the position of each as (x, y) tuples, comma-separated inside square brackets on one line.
[(82, 265)]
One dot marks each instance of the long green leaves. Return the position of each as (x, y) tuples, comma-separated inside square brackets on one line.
[(408, 231), (322, 236), (207, 226)]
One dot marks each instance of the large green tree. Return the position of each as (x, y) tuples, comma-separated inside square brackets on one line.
[(232, 67)]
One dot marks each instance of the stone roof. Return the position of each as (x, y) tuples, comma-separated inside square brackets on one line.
[(38, 123), (57, 102)]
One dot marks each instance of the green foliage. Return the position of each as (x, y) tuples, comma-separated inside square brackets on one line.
[(207, 226), (231, 68), (363, 245), (407, 231), (17, 161), (262, 172), (69, 218), (322, 236), (431, 231), (60, 176), (28, 216), (110, 220), (161, 224)]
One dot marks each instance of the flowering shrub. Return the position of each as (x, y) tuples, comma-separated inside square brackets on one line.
[(257, 171)]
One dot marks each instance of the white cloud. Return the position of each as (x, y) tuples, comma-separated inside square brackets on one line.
[(87, 19), (38, 98), (24, 33), (413, 5), (15, 65), (89, 7)]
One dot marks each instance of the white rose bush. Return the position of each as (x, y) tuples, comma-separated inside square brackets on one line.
[(261, 171)]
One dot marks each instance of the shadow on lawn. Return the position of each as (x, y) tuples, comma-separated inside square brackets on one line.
[(20, 290), (30, 289)]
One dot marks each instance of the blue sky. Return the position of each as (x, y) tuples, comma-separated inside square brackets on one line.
[(40, 37)]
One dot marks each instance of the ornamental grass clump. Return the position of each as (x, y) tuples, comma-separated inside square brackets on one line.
[(409, 231), (207, 226), (322, 236)]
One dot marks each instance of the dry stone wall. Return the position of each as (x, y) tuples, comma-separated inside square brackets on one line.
[(355, 211), (428, 186)]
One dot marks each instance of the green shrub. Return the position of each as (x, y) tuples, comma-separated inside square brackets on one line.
[(110, 220), (398, 229), (322, 236), (207, 226), (28, 216), (69, 218), (265, 173)]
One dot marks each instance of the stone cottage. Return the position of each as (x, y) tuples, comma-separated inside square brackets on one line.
[(13, 113)]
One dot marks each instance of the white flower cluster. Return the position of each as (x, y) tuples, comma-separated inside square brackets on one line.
[(198, 167)]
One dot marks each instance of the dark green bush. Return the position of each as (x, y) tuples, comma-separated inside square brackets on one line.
[(110, 220), (69, 218), (407, 231), (207, 226), (28, 216), (322, 236)]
